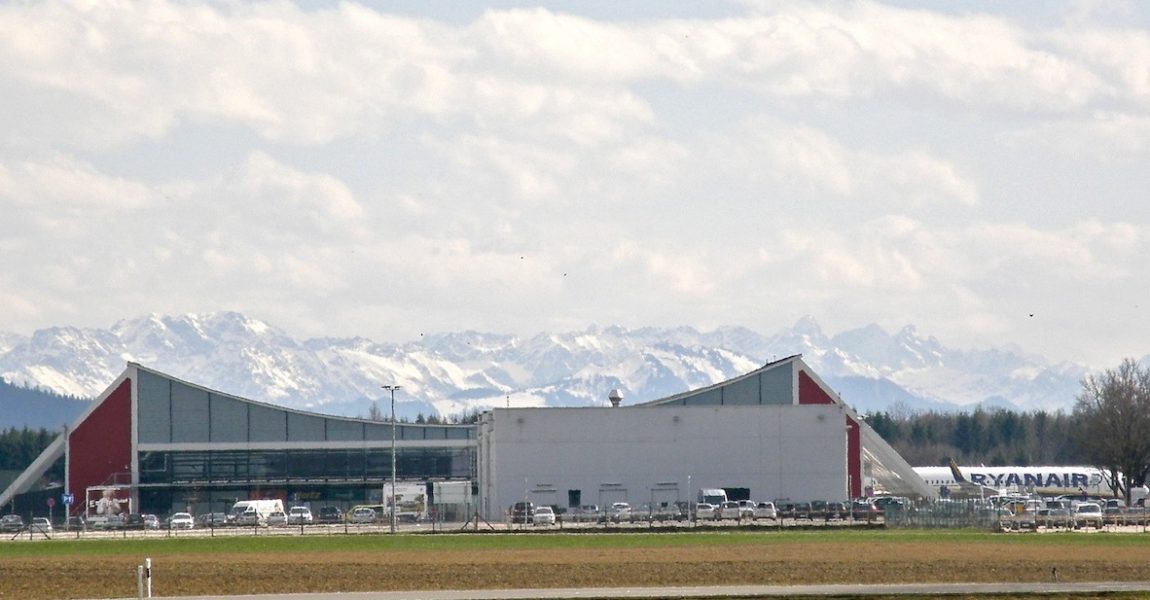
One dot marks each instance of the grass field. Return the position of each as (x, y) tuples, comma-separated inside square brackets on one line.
[(246, 565)]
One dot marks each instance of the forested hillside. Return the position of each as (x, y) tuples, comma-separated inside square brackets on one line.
[(981, 437), (36, 408), (19, 447)]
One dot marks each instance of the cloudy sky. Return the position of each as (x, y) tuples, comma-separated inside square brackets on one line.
[(385, 169)]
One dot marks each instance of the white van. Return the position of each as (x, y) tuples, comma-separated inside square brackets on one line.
[(254, 512)]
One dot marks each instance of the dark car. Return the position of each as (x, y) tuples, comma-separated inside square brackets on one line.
[(862, 509), (134, 521), (522, 512), (75, 522), (11, 523), (329, 514)]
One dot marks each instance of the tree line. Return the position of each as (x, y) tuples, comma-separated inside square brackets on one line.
[(19, 447), (991, 437)]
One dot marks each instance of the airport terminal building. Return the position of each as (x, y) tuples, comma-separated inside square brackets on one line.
[(158, 444)]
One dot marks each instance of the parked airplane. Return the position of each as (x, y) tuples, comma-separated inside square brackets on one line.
[(1060, 479)]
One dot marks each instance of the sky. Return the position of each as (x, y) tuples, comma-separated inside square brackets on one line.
[(978, 170)]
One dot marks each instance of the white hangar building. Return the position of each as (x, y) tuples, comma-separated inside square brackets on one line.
[(159, 444), (777, 432)]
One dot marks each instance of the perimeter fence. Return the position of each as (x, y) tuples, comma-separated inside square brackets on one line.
[(945, 514)]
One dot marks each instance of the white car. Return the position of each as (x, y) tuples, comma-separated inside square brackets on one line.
[(181, 520), (41, 524), (765, 510), (705, 511), (730, 510), (620, 512), (544, 516), (277, 518), (299, 515)]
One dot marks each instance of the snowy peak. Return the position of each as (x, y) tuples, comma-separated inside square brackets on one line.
[(451, 373)]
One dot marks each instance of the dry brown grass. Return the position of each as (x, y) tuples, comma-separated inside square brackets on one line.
[(785, 562)]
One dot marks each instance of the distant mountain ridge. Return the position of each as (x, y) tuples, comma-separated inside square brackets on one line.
[(452, 373)]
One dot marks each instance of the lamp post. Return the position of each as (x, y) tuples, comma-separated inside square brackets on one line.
[(392, 388)]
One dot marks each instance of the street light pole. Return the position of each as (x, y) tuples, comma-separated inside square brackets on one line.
[(392, 388)]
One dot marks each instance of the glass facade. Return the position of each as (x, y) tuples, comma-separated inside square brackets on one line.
[(332, 465), (305, 469), (173, 480)]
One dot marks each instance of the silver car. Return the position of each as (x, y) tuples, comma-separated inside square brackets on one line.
[(765, 510), (41, 524), (1087, 514), (299, 515)]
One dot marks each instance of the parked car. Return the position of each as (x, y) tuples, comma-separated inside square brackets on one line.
[(669, 511), (620, 512), (139, 521), (75, 522), (299, 515), (587, 513), (11, 523), (862, 509), (544, 516), (522, 512), (1055, 513), (330, 514), (41, 524), (362, 514), (1113, 510), (706, 512), (748, 508), (1087, 514), (803, 510), (730, 510), (181, 520), (883, 503), (277, 518), (106, 522), (212, 519), (765, 510), (834, 511)]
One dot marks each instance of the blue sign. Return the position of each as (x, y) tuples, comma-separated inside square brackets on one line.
[(67, 499)]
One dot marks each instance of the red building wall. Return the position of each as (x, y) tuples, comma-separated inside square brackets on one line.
[(811, 392), (101, 445)]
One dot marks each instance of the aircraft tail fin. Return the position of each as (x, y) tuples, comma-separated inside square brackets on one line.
[(954, 470)]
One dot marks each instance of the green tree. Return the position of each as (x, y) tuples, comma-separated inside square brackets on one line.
[(1113, 411)]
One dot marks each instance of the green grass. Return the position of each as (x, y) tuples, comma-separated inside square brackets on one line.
[(63, 546)]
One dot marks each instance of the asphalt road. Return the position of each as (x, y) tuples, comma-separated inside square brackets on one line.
[(737, 591)]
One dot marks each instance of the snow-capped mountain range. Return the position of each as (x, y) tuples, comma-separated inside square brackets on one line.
[(453, 373)]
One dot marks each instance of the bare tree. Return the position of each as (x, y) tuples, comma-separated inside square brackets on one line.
[(1114, 424)]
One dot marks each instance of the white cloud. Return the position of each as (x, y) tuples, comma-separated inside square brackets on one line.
[(875, 163), (807, 159)]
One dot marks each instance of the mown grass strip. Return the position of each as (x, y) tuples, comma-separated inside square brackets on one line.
[(63, 546)]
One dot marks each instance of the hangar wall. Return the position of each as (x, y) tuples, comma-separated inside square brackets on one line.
[(579, 456)]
